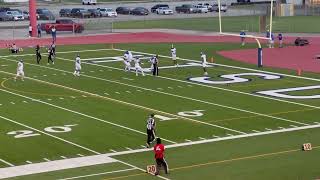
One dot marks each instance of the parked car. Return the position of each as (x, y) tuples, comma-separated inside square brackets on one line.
[(207, 5), (108, 12), (63, 25), (4, 9), (4, 16), (45, 14), (186, 8), (80, 13), (89, 2), (155, 7), (123, 10), (94, 13), (164, 10), (16, 15), (140, 11), (223, 7), (65, 12), (201, 9), (26, 15)]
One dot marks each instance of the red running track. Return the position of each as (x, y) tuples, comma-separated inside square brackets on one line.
[(289, 57)]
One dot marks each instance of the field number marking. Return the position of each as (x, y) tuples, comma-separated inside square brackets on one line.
[(53, 129), (193, 113)]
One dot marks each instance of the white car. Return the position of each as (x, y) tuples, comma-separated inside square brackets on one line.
[(201, 9), (164, 10), (207, 5), (89, 2), (108, 12), (16, 16), (223, 7)]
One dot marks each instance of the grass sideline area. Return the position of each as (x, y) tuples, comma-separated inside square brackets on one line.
[(105, 110), (291, 24)]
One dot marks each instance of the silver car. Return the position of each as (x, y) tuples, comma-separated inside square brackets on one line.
[(16, 15), (4, 16)]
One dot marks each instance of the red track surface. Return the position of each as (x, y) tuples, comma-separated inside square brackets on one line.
[(289, 57)]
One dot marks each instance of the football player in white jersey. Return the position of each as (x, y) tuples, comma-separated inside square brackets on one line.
[(204, 63), (77, 66), (174, 55), (20, 72), (137, 66), (126, 61)]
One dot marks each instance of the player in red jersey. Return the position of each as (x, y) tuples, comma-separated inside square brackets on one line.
[(159, 156)]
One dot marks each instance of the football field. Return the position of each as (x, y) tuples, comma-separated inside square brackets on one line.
[(240, 122)]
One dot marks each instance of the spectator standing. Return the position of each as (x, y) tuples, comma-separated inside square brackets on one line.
[(39, 30), (280, 37), (30, 30), (54, 33), (242, 37)]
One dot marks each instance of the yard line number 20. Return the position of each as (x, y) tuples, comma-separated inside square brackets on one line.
[(51, 129)]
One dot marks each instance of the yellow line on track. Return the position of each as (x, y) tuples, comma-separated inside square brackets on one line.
[(220, 162)]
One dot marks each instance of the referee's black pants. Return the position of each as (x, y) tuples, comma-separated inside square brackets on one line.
[(155, 71), (151, 136)]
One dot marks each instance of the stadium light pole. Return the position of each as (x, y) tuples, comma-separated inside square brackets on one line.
[(219, 14), (33, 17)]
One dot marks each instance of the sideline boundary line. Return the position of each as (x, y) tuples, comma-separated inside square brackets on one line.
[(183, 97), (101, 156)]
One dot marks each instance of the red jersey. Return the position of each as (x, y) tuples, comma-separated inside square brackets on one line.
[(158, 151)]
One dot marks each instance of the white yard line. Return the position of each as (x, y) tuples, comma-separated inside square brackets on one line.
[(50, 135), (98, 174), (184, 97), (59, 164), (123, 102), (235, 91), (79, 113), (96, 159), (6, 162)]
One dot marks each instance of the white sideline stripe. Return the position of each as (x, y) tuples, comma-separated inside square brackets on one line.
[(54, 166), (76, 112), (6, 162), (234, 91), (98, 174), (53, 136), (36, 166), (183, 97)]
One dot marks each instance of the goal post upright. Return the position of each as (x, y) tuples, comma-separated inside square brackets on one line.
[(257, 38)]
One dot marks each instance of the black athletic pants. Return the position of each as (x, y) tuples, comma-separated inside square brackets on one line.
[(151, 136), (162, 162), (155, 71), (38, 57)]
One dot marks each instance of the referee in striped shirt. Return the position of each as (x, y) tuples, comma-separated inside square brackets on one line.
[(151, 127)]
